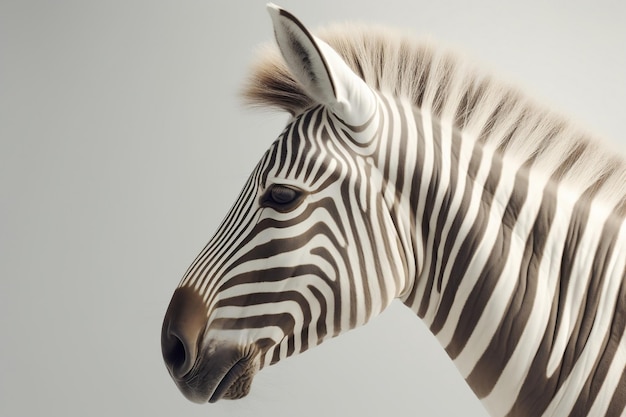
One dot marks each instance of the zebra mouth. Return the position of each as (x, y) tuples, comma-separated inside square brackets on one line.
[(235, 383), (220, 372)]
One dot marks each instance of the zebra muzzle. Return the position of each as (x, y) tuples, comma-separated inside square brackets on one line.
[(202, 370)]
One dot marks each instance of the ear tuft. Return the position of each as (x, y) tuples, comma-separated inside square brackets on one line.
[(323, 74), (302, 54)]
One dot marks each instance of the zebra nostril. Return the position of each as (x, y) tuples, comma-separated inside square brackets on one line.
[(181, 335), (175, 355)]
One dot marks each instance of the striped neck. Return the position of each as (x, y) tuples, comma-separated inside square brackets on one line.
[(501, 276)]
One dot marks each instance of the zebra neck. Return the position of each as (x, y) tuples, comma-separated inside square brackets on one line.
[(513, 273)]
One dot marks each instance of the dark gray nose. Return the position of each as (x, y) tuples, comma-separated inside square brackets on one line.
[(182, 331)]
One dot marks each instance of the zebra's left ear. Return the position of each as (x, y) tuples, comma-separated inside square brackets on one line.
[(322, 72)]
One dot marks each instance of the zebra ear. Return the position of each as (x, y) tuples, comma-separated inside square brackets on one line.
[(323, 74)]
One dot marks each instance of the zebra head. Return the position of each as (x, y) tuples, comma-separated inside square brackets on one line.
[(299, 257)]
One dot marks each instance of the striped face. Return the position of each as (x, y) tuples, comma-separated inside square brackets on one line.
[(297, 260)]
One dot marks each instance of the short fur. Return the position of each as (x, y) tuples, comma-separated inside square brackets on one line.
[(439, 81)]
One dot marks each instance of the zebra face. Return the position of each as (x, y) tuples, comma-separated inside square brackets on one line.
[(299, 257), (296, 261)]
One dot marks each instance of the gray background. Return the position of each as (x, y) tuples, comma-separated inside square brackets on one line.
[(122, 145)]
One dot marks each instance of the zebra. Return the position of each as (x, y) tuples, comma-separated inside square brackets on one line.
[(406, 173)]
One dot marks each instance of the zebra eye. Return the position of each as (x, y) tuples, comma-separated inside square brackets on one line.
[(282, 197)]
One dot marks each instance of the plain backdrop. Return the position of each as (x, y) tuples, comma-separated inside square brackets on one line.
[(122, 145)]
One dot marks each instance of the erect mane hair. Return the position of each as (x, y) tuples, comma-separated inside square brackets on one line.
[(455, 91)]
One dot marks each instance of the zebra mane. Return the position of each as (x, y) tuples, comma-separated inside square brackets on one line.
[(453, 89)]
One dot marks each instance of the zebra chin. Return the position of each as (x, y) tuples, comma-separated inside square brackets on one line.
[(224, 372)]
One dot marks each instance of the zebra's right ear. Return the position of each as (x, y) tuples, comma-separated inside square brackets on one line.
[(323, 74)]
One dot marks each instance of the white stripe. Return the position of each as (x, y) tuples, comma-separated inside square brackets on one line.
[(609, 387)]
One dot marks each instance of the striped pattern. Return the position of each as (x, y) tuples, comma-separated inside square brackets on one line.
[(518, 269), (322, 268)]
